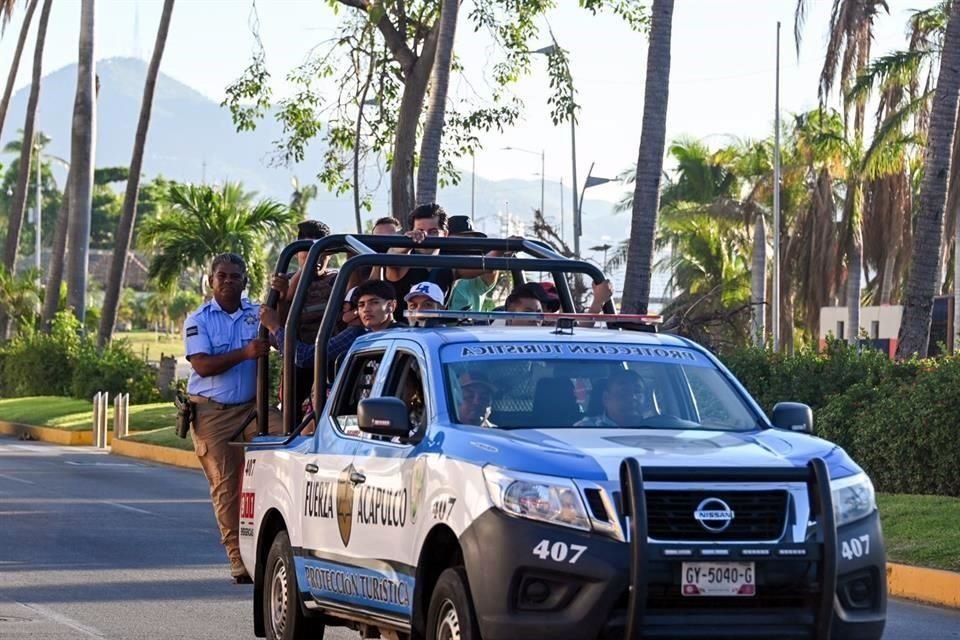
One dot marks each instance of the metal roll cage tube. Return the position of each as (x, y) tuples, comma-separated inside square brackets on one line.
[(367, 249), (815, 475)]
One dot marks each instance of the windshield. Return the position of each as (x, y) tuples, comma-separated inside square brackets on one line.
[(588, 385)]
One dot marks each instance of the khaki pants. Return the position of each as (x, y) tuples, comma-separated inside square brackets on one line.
[(223, 463)]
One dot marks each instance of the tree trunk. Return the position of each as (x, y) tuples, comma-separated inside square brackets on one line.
[(128, 218), (758, 280), (886, 282), (18, 204), (646, 195), (81, 164), (854, 285), (408, 120), (433, 128), (922, 281), (51, 296), (15, 64)]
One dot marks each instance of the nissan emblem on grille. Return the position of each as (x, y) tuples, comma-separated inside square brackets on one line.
[(713, 514)]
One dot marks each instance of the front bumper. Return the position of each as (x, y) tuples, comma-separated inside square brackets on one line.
[(519, 593)]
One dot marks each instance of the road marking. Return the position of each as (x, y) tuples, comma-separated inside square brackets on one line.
[(100, 464), (61, 619), (129, 508), (12, 479)]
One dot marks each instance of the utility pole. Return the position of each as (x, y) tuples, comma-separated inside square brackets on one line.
[(37, 250), (776, 205)]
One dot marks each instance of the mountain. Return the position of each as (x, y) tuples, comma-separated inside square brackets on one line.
[(192, 138)]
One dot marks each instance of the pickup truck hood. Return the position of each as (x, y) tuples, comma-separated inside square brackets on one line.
[(685, 448)]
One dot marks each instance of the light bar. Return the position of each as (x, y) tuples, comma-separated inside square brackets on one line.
[(441, 314)]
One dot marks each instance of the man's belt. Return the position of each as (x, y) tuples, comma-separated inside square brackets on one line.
[(213, 404)]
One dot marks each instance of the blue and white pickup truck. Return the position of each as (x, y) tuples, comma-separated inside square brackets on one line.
[(546, 483)]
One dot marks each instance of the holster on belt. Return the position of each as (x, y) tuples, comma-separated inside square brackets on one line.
[(186, 413)]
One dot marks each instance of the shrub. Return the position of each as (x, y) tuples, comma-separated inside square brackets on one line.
[(115, 369), (896, 419), (66, 363), (40, 363)]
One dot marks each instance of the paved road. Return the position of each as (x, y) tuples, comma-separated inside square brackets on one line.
[(97, 546)]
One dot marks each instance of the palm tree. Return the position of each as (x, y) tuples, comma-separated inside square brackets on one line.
[(19, 203), (202, 222), (922, 281), (646, 197), (6, 10), (433, 127), (58, 251), (81, 166), (19, 296), (124, 234), (847, 56)]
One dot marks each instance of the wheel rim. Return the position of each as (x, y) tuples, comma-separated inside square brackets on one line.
[(448, 622), (278, 598)]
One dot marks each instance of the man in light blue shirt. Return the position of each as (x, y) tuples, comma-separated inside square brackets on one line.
[(222, 347)]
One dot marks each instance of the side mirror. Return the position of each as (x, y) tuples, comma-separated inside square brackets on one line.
[(384, 417), (792, 416)]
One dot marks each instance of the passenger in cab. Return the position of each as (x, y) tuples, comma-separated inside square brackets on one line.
[(476, 399), (626, 402)]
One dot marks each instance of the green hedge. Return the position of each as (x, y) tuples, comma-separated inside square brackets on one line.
[(899, 420), (67, 363)]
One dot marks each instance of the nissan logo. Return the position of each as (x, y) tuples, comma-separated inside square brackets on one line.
[(713, 514)]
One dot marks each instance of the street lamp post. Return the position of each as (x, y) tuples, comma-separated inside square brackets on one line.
[(603, 247), (591, 181), (548, 51)]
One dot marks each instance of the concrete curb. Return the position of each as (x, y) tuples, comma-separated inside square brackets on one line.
[(49, 434), (931, 586), (156, 453)]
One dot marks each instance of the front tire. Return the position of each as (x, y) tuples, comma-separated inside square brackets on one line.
[(283, 619), (451, 615)]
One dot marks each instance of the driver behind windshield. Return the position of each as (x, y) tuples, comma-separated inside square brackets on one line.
[(626, 402)]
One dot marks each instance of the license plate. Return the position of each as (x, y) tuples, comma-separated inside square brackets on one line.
[(718, 579)]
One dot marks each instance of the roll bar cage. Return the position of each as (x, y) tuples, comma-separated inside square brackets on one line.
[(370, 251)]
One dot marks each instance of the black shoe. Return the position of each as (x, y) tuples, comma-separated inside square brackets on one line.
[(243, 578)]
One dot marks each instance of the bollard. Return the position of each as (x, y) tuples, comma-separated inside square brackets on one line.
[(96, 419), (104, 406), (121, 415)]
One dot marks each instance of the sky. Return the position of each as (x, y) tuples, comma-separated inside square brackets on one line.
[(721, 81)]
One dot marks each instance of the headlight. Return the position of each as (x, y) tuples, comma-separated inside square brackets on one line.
[(543, 498), (853, 498)]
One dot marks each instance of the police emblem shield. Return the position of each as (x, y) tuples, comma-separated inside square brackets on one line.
[(345, 504)]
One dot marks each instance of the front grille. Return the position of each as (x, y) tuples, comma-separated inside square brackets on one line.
[(758, 515)]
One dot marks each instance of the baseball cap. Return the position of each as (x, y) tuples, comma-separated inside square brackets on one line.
[(468, 378), (349, 297), (462, 226), (428, 289)]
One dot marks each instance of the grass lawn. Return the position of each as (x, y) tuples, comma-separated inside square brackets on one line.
[(922, 530), (152, 344), (164, 437), (77, 415)]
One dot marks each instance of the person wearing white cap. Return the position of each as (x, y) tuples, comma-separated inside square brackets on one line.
[(425, 296)]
